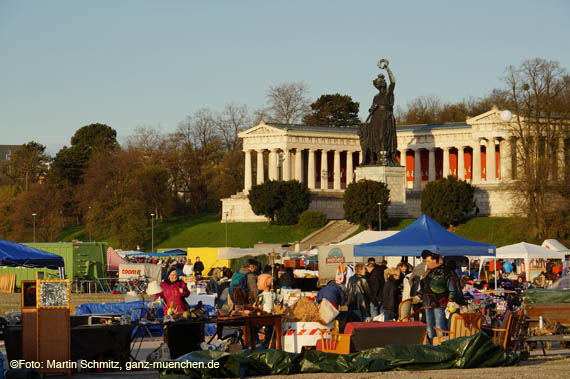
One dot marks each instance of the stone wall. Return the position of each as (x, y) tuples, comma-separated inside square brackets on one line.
[(328, 202), (491, 200), (239, 210)]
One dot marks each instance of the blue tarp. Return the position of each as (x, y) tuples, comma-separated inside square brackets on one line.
[(14, 254), (424, 234), (136, 309), (164, 254)]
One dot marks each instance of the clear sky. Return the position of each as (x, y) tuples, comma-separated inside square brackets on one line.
[(66, 64)]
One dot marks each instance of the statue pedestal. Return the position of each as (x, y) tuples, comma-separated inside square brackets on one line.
[(395, 178)]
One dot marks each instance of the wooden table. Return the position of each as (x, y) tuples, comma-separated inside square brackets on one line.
[(261, 320), (249, 323)]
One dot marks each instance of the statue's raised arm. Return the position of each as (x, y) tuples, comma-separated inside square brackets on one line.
[(383, 65)]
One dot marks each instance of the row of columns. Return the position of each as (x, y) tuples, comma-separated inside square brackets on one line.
[(476, 173), (273, 167)]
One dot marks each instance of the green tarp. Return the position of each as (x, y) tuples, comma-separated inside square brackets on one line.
[(545, 296), (458, 353)]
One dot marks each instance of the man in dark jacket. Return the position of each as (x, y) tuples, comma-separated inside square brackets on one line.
[(375, 275), (437, 288), (359, 293), (198, 268), (287, 279), (391, 294)]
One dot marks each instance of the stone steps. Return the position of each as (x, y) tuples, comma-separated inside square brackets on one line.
[(333, 232)]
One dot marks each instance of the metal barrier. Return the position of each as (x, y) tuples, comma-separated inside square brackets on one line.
[(110, 285)]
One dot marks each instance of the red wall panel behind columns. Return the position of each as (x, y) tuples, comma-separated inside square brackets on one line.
[(497, 161), (468, 163), (453, 162), (409, 166), (438, 163)]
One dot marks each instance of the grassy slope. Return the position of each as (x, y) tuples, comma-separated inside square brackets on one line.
[(204, 230)]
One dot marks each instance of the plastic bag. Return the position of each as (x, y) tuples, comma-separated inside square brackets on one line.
[(327, 311)]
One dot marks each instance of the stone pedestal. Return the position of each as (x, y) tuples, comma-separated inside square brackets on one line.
[(395, 178)]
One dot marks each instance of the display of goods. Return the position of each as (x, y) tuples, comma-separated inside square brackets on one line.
[(292, 263), (303, 310)]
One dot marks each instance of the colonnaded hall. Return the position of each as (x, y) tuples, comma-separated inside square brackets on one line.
[(481, 151)]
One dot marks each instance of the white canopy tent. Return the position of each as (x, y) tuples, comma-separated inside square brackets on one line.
[(553, 244), (526, 251), (367, 236), (233, 252)]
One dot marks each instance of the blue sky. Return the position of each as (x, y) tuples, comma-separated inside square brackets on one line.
[(65, 64)]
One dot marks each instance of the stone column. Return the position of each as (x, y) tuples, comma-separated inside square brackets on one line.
[(349, 168), (299, 165), (286, 165), (324, 170), (272, 169), (476, 169), (260, 176), (445, 172), (417, 170), (360, 157), (311, 173), (461, 163), (247, 174), (491, 161), (505, 152), (431, 165), (336, 170)]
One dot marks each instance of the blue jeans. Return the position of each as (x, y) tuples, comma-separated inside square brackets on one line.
[(373, 310), (435, 317)]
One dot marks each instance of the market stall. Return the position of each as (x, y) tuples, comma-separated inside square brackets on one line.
[(424, 234), (525, 251)]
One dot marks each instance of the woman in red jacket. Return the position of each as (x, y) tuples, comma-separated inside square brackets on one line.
[(174, 291)]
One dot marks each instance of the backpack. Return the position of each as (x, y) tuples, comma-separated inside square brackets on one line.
[(239, 287)]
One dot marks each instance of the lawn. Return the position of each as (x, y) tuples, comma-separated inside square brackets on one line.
[(499, 231), (203, 230), (206, 230)]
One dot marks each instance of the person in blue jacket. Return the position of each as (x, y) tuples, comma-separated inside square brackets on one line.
[(333, 293)]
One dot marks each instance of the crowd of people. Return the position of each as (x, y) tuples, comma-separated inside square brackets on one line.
[(372, 291), (377, 292)]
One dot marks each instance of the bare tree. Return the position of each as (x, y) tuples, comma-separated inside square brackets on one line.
[(538, 96), (233, 119), (421, 110), (198, 129), (288, 103)]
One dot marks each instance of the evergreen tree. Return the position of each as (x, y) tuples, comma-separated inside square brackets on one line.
[(448, 201), (361, 202)]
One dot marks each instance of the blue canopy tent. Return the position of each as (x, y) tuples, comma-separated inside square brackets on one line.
[(14, 254), (424, 234)]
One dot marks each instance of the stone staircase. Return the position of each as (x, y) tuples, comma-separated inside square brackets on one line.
[(333, 232)]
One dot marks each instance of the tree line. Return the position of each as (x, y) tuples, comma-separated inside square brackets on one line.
[(112, 189)]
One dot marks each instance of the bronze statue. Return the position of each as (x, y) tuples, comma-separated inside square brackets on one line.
[(378, 138)]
